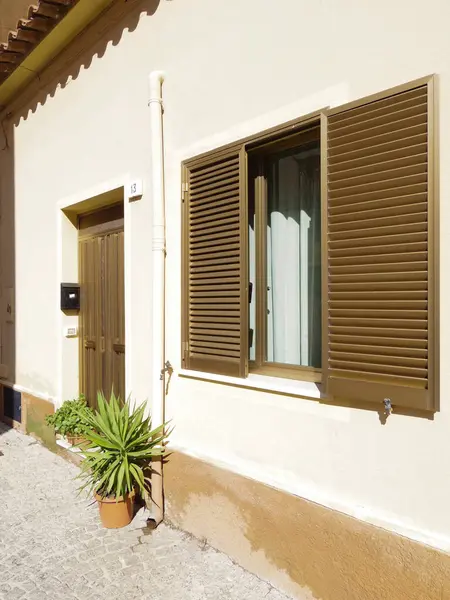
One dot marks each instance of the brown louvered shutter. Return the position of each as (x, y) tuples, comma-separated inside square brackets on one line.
[(215, 282), (381, 220)]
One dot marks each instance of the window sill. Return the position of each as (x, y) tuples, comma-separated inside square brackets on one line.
[(278, 385)]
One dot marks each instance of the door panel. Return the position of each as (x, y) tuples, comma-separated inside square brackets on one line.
[(90, 251), (114, 313), (102, 315)]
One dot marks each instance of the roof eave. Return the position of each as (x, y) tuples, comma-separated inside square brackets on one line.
[(52, 44)]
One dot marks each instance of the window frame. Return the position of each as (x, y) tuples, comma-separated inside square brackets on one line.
[(245, 146), (257, 187)]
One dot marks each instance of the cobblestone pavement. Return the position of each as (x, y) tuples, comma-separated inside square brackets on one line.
[(52, 545)]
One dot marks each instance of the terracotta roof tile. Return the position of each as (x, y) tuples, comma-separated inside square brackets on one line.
[(41, 18)]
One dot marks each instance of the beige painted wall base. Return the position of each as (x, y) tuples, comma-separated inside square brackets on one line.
[(300, 547)]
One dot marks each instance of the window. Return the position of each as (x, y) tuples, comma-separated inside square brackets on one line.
[(285, 258), (309, 252)]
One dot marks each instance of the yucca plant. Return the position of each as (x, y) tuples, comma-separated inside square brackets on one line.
[(121, 446)]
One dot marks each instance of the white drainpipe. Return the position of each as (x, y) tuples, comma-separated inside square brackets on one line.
[(158, 276)]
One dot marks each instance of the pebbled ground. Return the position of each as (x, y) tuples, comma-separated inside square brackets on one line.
[(52, 545)]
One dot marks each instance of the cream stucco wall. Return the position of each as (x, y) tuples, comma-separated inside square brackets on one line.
[(232, 68)]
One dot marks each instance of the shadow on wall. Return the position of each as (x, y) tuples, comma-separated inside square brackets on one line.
[(120, 17)]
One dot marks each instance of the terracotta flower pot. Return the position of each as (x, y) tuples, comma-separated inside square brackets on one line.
[(116, 513), (75, 439)]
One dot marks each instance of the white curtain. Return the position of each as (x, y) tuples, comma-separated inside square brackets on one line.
[(293, 260)]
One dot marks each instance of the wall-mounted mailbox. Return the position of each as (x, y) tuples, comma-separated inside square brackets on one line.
[(70, 296)]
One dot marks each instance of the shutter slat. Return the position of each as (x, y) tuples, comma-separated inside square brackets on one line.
[(399, 100), (214, 257), (388, 322), (203, 278), (205, 173), (226, 259), (219, 290), (356, 314), (380, 240), (211, 241), (216, 192), (371, 155), (370, 213), (196, 252), (215, 345), (386, 369), (212, 301), (416, 223), (359, 350), (380, 286), (372, 128), (219, 227), (210, 359), (382, 267), (204, 228), (362, 331), (200, 237), (399, 203), (378, 162), (203, 335), (399, 158), (200, 286), (356, 182), (369, 258), (222, 177), (215, 312), (227, 324), (401, 248), (212, 270), (223, 217), (363, 196), (380, 359), (394, 135), (385, 278), (341, 340), (396, 117), (388, 186), (417, 214), (216, 196), (378, 304), (378, 250), (221, 207), (383, 296), (396, 112)]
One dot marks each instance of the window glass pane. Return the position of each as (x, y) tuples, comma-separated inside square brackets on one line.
[(293, 257)]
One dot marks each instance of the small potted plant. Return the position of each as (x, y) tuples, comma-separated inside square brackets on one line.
[(121, 445), (70, 420)]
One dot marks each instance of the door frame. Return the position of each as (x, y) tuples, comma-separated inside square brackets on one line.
[(105, 195)]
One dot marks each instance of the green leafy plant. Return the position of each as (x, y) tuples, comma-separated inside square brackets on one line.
[(71, 418), (121, 446)]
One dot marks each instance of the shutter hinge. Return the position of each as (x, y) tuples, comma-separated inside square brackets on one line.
[(184, 190), (185, 349)]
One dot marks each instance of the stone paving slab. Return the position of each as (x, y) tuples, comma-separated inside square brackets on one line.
[(52, 545)]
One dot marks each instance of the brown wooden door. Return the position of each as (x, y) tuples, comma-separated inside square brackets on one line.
[(102, 311)]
